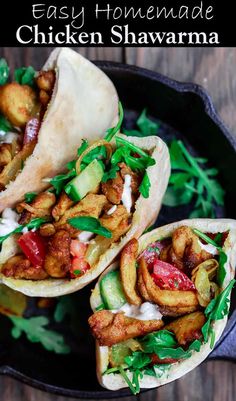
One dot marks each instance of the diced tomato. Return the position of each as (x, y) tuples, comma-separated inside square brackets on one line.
[(151, 253), (78, 267), (31, 130), (169, 277), (156, 360), (33, 246), (78, 248)]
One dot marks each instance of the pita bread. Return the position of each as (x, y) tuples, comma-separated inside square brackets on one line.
[(146, 212), (114, 381), (84, 104)]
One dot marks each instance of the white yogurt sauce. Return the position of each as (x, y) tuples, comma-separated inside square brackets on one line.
[(7, 137), (126, 195), (8, 221), (146, 311), (85, 236), (209, 248), (112, 210)]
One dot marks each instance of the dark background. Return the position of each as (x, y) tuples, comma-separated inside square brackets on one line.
[(215, 70)]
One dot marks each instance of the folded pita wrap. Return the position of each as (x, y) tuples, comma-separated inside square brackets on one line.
[(115, 381), (84, 104), (145, 214)]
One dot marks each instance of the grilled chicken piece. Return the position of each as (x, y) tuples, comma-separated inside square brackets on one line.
[(41, 206), (135, 178), (91, 205), (63, 204), (117, 222), (113, 189), (20, 268), (112, 328), (57, 261)]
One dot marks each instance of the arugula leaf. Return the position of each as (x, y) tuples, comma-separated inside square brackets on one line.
[(25, 75), (133, 389), (4, 71), (109, 175), (131, 146), (112, 131), (177, 197), (5, 125), (162, 338), (137, 360), (59, 181), (98, 153), (217, 309), (35, 331), (190, 181), (91, 224), (145, 186), (82, 147), (146, 126), (30, 196), (221, 271), (71, 165), (35, 223)]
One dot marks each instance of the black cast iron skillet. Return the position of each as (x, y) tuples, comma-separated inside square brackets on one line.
[(185, 111)]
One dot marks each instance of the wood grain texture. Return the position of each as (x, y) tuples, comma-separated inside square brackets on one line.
[(214, 69)]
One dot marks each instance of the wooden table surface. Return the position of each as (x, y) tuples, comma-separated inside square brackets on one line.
[(214, 69)]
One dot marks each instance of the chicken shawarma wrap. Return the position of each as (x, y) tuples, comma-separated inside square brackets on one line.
[(159, 311), (61, 239), (44, 117)]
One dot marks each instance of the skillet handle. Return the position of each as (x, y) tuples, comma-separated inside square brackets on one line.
[(226, 346)]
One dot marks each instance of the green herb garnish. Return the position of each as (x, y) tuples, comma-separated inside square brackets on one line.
[(4, 71), (30, 196), (189, 181), (82, 147), (145, 186), (109, 175), (217, 309), (25, 75), (35, 223), (35, 331), (146, 126), (77, 272), (59, 181), (112, 131), (91, 224)]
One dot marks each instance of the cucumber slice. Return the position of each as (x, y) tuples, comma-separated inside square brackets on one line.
[(86, 181), (111, 291)]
